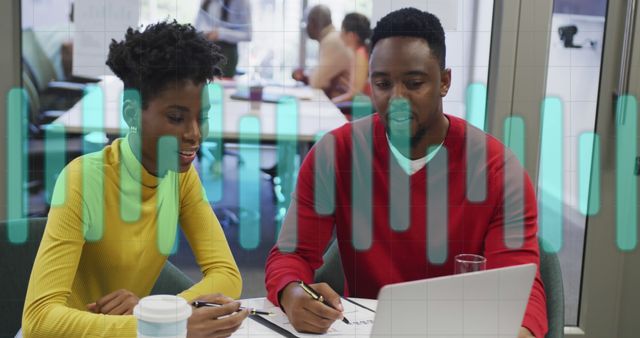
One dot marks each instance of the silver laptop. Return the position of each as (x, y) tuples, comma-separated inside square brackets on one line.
[(488, 303)]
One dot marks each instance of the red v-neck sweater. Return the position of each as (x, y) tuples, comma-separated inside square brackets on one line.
[(496, 218)]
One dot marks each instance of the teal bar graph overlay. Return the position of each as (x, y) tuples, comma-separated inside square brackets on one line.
[(286, 149), (361, 106), (476, 102), (476, 177), (514, 136), (213, 98), (589, 174), (92, 166), (54, 160), (513, 178), (249, 183), (399, 180), (551, 181), (438, 206), (361, 177), (513, 202), (513, 190), (17, 202), (626, 181), (131, 177), (128, 97), (168, 198), (325, 174)]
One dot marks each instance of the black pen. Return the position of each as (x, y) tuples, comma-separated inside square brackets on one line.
[(252, 311), (311, 292)]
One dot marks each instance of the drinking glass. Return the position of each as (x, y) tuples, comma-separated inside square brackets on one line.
[(469, 263)]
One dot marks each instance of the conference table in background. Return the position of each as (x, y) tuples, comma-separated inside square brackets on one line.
[(98, 116), (316, 114)]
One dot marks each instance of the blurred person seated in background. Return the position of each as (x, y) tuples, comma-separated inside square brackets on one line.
[(226, 22), (335, 59), (356, 31)]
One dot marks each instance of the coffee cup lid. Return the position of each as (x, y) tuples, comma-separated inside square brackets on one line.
[(162, 309)]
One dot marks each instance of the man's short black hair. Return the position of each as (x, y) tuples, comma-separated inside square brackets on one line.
[(164, 53), (412, 22)]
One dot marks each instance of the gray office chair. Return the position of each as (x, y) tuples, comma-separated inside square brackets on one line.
[(54, 95), (331, 272), (36, 62), (553, 287), (16, 261), (171, 281), (40, 66)]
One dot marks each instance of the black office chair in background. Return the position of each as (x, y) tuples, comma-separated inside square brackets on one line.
[(48, 97), (55, 93)]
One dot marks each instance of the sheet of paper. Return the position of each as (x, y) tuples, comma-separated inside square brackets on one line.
[(360, 318)]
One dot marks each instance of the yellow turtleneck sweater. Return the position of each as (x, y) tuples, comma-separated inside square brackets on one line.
[(95, 243)]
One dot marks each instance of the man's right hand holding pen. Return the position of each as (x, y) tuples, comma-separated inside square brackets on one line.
[(305, 312)]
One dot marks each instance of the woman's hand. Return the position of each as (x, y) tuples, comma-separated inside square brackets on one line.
[(119, 302), (215, 321)]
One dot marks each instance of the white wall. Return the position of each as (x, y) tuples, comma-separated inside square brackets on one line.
[(49, 19), (45, 14), (96, 23)]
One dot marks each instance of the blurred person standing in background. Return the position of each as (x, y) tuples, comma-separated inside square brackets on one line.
[(226, 22)]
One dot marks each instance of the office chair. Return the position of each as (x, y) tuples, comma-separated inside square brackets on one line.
[(39, 119), (39, 115), (39, 64), (171, 281), (16, 262), (331, 272), (551, 275), (54, 94)]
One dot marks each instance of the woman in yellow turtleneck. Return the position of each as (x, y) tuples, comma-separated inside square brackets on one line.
[(115, 212)]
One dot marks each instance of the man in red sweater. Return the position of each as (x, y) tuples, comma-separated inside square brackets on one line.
[(405, 189)]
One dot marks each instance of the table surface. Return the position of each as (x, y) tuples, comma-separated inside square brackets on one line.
[(100, 110), (251, 328)]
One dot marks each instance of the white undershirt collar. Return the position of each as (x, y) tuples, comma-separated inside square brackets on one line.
[(408, 165)]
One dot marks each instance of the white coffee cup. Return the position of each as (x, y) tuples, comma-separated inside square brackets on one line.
[(162, 316)]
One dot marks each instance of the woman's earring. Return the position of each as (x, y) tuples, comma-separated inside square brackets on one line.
[(133, 129)]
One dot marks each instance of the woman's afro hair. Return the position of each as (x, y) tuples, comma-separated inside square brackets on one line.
[(163, 54)]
